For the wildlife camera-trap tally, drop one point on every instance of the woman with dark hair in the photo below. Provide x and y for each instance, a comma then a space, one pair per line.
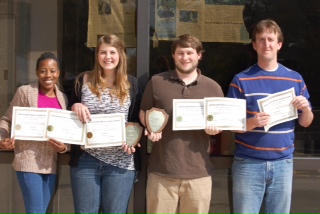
36, 162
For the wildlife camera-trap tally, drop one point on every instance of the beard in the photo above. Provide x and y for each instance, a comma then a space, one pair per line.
187, 71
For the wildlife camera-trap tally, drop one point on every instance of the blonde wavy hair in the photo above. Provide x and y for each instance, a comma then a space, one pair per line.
96, 82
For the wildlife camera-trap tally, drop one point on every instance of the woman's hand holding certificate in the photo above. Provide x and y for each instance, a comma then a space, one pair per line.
41, 124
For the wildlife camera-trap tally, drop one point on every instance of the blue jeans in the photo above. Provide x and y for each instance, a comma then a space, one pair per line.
257, 182
97, 185
37, 190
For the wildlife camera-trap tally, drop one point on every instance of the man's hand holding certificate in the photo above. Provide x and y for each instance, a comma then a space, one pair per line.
188, 114
223, 113
279, 106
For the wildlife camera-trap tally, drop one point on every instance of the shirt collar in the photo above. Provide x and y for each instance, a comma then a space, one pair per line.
174, 76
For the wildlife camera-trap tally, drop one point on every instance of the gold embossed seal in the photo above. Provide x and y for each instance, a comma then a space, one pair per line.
17, 127
89, 135
50, 128
210, 117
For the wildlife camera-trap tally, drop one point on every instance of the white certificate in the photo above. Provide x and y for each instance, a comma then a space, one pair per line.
29, 123
40, 124
187, 114
65, 126
225, 113
279, 106
106, 130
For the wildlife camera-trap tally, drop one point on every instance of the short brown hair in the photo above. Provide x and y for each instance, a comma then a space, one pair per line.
267, 24
186, 41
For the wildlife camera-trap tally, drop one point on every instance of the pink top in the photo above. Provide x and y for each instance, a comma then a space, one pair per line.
48, 102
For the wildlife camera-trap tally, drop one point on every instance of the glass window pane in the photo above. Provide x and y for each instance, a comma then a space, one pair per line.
226, 54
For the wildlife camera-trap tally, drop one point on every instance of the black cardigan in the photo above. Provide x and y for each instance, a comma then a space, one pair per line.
133, 116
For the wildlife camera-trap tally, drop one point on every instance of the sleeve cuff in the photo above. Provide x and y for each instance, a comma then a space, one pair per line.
64, 151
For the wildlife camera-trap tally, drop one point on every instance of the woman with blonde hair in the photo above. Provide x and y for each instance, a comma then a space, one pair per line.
102, 178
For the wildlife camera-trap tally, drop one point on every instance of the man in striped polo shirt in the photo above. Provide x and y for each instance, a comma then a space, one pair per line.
263, 164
